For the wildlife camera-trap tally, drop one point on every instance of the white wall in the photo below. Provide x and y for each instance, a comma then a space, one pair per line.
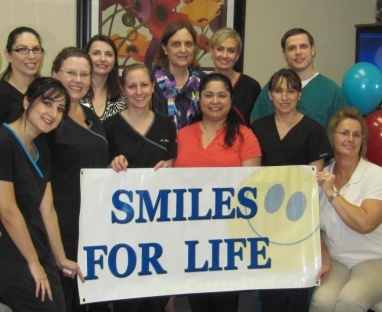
331, 22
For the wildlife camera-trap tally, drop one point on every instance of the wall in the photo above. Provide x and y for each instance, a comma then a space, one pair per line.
331, 22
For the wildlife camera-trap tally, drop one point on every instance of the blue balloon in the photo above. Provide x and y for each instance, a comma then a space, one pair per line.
362, 85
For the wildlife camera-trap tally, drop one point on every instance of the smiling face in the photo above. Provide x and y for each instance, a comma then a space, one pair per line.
25, 64
180, 49
215, 101
103, 57
138, 89
348, 138
284, 97
225, 54
77, 85
299, 53
45, 113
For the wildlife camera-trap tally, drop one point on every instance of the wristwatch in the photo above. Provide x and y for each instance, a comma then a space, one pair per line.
334, 195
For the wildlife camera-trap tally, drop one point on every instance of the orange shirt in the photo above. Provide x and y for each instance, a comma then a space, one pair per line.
192, 154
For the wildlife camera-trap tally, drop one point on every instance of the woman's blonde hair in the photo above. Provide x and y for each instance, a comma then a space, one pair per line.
345, 113
224, 33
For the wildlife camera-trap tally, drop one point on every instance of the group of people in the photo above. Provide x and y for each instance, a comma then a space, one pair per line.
172, 114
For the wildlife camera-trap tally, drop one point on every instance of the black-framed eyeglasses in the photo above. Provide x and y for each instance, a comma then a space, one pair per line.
36, 50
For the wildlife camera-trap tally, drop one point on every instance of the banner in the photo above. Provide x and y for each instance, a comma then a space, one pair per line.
149, 233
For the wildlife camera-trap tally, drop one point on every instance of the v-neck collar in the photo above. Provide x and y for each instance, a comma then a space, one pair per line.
32, 161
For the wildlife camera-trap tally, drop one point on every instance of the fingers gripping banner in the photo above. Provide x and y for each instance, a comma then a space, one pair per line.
149, 233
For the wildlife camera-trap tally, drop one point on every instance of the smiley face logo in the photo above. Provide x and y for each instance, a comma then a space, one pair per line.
287, 213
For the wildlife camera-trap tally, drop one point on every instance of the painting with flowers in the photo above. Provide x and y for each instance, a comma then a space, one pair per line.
136, 26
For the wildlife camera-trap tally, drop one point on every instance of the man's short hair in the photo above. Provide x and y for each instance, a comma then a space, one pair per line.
294, 32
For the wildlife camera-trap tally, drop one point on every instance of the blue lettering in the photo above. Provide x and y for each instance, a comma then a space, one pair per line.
146, 259
215, 266
255, 252
122, 206
247, 202
145, 202
179, 215
231, 253
131, 260
92, 261
192, 258
195, 206
219, 203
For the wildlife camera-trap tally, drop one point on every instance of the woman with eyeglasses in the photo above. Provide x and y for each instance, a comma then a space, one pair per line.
82, 144
24, 54
104, 96
350, 221
30, 242
288, 137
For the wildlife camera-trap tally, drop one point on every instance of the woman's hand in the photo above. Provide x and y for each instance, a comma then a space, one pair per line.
326, 260
71, 269
119, 163
163, 164
325, 269
326, 180
41, 280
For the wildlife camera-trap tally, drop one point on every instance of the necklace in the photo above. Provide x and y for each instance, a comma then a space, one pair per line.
180, 88
207, 134
100, 105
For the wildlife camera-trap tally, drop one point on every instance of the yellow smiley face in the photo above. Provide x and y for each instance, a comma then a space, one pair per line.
287, 214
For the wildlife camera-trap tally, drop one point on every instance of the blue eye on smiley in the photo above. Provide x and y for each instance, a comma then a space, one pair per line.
296, 206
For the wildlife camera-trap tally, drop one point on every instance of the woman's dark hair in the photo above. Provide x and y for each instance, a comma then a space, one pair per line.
65, 53
292, 79
113, 82
12, 37
43, 88
161, 59
233, 119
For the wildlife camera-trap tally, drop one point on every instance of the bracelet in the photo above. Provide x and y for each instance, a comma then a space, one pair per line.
333, 196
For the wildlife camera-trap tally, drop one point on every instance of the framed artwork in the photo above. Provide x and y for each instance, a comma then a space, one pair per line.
136, 26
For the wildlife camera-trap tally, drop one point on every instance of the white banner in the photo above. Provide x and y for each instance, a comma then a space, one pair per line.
148, 233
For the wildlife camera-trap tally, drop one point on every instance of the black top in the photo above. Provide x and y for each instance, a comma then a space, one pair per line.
78, 147
11, 102
304, 143
245, 92
29, 177
141, 151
